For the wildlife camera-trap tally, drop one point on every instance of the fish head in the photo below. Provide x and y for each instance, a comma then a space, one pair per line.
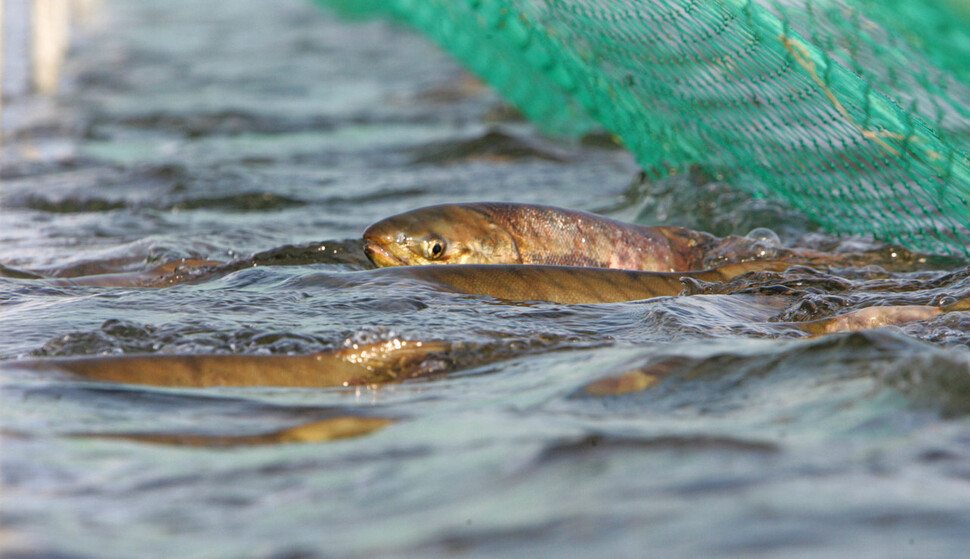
443, 234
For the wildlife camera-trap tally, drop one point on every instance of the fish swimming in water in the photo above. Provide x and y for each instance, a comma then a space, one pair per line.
578, 285
171, 273
335, 428
194, 270
504, 233
876, 317
508, 233
563, 284
399, 359
359, 364
367, 364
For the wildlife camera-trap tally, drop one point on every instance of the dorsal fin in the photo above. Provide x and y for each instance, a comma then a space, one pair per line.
963, 305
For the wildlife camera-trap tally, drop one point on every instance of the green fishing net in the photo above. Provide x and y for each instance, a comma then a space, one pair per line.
854, 112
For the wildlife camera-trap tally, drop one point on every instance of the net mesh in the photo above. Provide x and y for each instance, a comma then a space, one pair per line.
855, 113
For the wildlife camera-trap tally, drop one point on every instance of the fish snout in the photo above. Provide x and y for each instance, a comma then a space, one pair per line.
380, 256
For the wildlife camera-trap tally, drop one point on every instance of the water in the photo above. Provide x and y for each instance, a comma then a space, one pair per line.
246, 127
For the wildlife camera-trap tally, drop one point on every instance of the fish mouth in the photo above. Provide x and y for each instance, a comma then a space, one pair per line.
380, 256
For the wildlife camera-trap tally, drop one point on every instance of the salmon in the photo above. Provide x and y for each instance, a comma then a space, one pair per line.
502, 233
506, 233
564, 284
359, 364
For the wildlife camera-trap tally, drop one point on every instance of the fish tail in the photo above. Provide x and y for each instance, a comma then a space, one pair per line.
6, 272
963, 305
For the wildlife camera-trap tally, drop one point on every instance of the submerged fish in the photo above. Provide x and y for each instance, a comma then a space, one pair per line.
171, 273
378, 363
500, 233
400, 359
578, 285
186, 270
564, 284
360, 364
341, 427
876, 317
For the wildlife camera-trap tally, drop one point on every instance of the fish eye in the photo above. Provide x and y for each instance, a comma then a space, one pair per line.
434, 248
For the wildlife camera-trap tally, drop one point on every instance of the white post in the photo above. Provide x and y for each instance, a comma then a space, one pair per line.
2, 35
49, 42
34, 39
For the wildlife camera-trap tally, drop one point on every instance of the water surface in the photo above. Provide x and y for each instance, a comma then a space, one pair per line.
272, 129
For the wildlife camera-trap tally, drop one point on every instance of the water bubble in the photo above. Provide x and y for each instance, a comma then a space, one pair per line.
764, 250
764, 236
